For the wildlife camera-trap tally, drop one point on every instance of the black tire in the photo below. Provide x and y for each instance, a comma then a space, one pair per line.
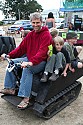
7, 44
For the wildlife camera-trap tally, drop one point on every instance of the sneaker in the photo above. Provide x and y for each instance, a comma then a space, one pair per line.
44, 78
53, 77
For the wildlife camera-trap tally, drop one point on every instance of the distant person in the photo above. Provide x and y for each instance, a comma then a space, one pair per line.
50, 21
71, 27
24, 33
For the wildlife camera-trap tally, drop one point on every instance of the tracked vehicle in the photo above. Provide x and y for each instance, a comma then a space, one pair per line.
49, 98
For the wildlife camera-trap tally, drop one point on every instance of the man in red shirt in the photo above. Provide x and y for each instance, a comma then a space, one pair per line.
35, 46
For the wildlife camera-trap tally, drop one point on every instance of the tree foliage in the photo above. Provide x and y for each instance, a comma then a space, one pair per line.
21, 8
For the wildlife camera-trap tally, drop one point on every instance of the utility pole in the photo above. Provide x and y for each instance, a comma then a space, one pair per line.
19, 13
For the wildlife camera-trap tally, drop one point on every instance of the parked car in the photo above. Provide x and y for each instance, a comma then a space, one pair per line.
2, 32
20, 25
59, 23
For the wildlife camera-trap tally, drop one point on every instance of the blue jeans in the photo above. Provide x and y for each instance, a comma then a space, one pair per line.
26, 78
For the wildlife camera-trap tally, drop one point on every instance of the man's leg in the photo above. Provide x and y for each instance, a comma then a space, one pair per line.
26, 83
10, 79
27, 77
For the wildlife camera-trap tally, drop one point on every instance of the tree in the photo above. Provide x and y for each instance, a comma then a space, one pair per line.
21, 9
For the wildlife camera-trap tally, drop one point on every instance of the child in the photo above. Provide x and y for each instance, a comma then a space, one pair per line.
59, 60
54, 32
72, 50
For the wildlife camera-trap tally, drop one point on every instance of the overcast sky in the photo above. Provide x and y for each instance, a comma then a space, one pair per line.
49, 4
46, 5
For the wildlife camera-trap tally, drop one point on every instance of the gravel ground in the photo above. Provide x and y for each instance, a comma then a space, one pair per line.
71, 115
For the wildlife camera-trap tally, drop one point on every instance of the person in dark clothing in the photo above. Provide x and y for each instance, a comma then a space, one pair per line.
24, 33
59, 60
71, 27
35, 46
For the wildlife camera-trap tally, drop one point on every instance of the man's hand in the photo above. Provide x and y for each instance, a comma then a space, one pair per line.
3, 56
26, 64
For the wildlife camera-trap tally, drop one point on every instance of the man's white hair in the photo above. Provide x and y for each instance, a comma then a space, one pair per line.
36, 15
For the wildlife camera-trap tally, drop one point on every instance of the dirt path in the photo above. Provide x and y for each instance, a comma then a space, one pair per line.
10, 115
